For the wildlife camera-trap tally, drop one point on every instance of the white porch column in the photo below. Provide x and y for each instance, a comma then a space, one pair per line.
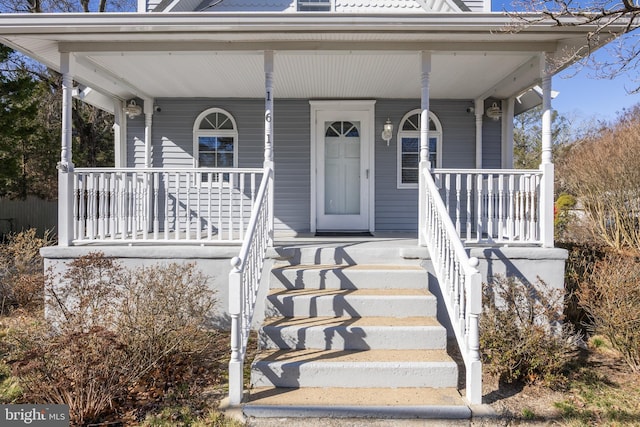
268, 132
65, 166
547, 168
425, 165
508, 108
148, 122
119, 134
479, 110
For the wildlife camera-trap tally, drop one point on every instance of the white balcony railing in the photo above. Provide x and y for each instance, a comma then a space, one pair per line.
244, 282
492, 205
459, 280
182, 205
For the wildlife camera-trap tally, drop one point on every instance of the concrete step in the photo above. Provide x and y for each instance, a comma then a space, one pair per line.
350, 253
370, 403
354, 303
345, 276
349, 369
352, 333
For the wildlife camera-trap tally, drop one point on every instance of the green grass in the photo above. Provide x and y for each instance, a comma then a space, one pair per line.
183, 416
10, 390
528, 414
597, 401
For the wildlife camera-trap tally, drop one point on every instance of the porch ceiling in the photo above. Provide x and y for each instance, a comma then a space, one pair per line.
316, 55
309, 74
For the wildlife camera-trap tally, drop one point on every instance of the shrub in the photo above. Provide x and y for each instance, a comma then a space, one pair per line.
610, 295
603, 172
85, 370
522, 337
21, 270
119, 336
562, 213
580, 265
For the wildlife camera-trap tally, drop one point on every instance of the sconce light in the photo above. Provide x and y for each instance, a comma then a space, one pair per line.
132, 109
494, 112
387, 131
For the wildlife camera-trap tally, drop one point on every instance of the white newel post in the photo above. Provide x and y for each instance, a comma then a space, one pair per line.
474, 365
65, 166
236, 364
546, 167
268, 132
425, 166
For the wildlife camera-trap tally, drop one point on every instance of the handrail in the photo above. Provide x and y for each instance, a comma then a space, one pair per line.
459, 281
244, 282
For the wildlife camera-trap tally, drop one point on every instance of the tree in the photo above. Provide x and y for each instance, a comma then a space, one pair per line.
25, 167
66, 6
527, 137
31, 98
608, 19
603, 171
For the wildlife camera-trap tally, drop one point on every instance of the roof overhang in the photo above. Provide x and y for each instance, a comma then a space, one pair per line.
317, 55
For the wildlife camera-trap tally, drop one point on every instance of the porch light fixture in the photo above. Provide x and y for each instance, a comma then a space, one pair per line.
132, 109
494, 112
387, 131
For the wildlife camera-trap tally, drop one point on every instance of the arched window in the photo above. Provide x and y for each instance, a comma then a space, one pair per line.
215, 140
408, 147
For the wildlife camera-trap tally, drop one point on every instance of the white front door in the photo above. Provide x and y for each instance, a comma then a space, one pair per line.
343, 141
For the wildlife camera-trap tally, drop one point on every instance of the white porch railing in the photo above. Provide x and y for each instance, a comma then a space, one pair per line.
492, 205
150, 205
244, 282
459, 281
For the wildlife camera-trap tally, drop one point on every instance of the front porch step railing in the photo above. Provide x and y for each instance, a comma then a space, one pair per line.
245, 279
156, 204
459, 281
492, 205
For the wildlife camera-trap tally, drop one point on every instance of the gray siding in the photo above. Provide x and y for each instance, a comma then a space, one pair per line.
396, 209
491, 145
172, 138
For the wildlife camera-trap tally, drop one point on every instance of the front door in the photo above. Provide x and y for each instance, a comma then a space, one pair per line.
344, 169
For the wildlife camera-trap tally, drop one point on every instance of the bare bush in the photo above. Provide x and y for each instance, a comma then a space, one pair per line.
610, 295
85, 370
118, 334
603, 172
21, 270
522, 337
87, 295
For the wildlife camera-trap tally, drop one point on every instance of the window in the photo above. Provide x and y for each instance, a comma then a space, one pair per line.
408, 147
215, 140
314, 5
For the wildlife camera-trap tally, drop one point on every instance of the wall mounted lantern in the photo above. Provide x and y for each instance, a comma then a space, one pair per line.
387, 131
494, 112
132, 109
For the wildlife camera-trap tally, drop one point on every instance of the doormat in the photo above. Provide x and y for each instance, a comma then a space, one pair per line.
343, 234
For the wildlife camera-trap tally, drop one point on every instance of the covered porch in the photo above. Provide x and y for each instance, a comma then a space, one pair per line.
362, 71
154, 195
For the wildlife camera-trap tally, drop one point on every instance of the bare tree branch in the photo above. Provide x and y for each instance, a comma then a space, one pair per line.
606, 19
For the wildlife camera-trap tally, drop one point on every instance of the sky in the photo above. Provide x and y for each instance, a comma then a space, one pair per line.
585, 97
